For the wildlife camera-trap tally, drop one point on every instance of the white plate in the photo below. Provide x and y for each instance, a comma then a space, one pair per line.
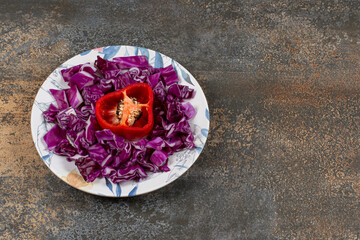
178, 163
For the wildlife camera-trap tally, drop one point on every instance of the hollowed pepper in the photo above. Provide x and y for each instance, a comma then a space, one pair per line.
127, 112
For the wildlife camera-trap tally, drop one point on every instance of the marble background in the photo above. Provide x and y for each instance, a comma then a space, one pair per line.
282, 159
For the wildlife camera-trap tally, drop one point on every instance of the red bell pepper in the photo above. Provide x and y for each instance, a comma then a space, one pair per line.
127, 112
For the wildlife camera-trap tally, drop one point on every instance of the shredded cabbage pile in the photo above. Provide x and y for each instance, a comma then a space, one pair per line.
99, 153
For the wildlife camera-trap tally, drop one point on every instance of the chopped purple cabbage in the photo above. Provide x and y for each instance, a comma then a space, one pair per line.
91, 94
50, 114
54, 137
181, 91
130, 62
60, 98
69, 72
100, 153
159, 158
169, 75
74, 96
82, 79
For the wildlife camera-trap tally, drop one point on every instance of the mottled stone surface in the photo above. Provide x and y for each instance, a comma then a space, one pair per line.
282, 80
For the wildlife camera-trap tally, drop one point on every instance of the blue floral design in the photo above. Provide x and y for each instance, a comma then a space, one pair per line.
144, 52
111, 51
85, 53
199, 149
181, 166
184, 75
136, 51
207, 115
133, 191
205, 132
181, 160
118, 190
46, 157
109, 184
158, 61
